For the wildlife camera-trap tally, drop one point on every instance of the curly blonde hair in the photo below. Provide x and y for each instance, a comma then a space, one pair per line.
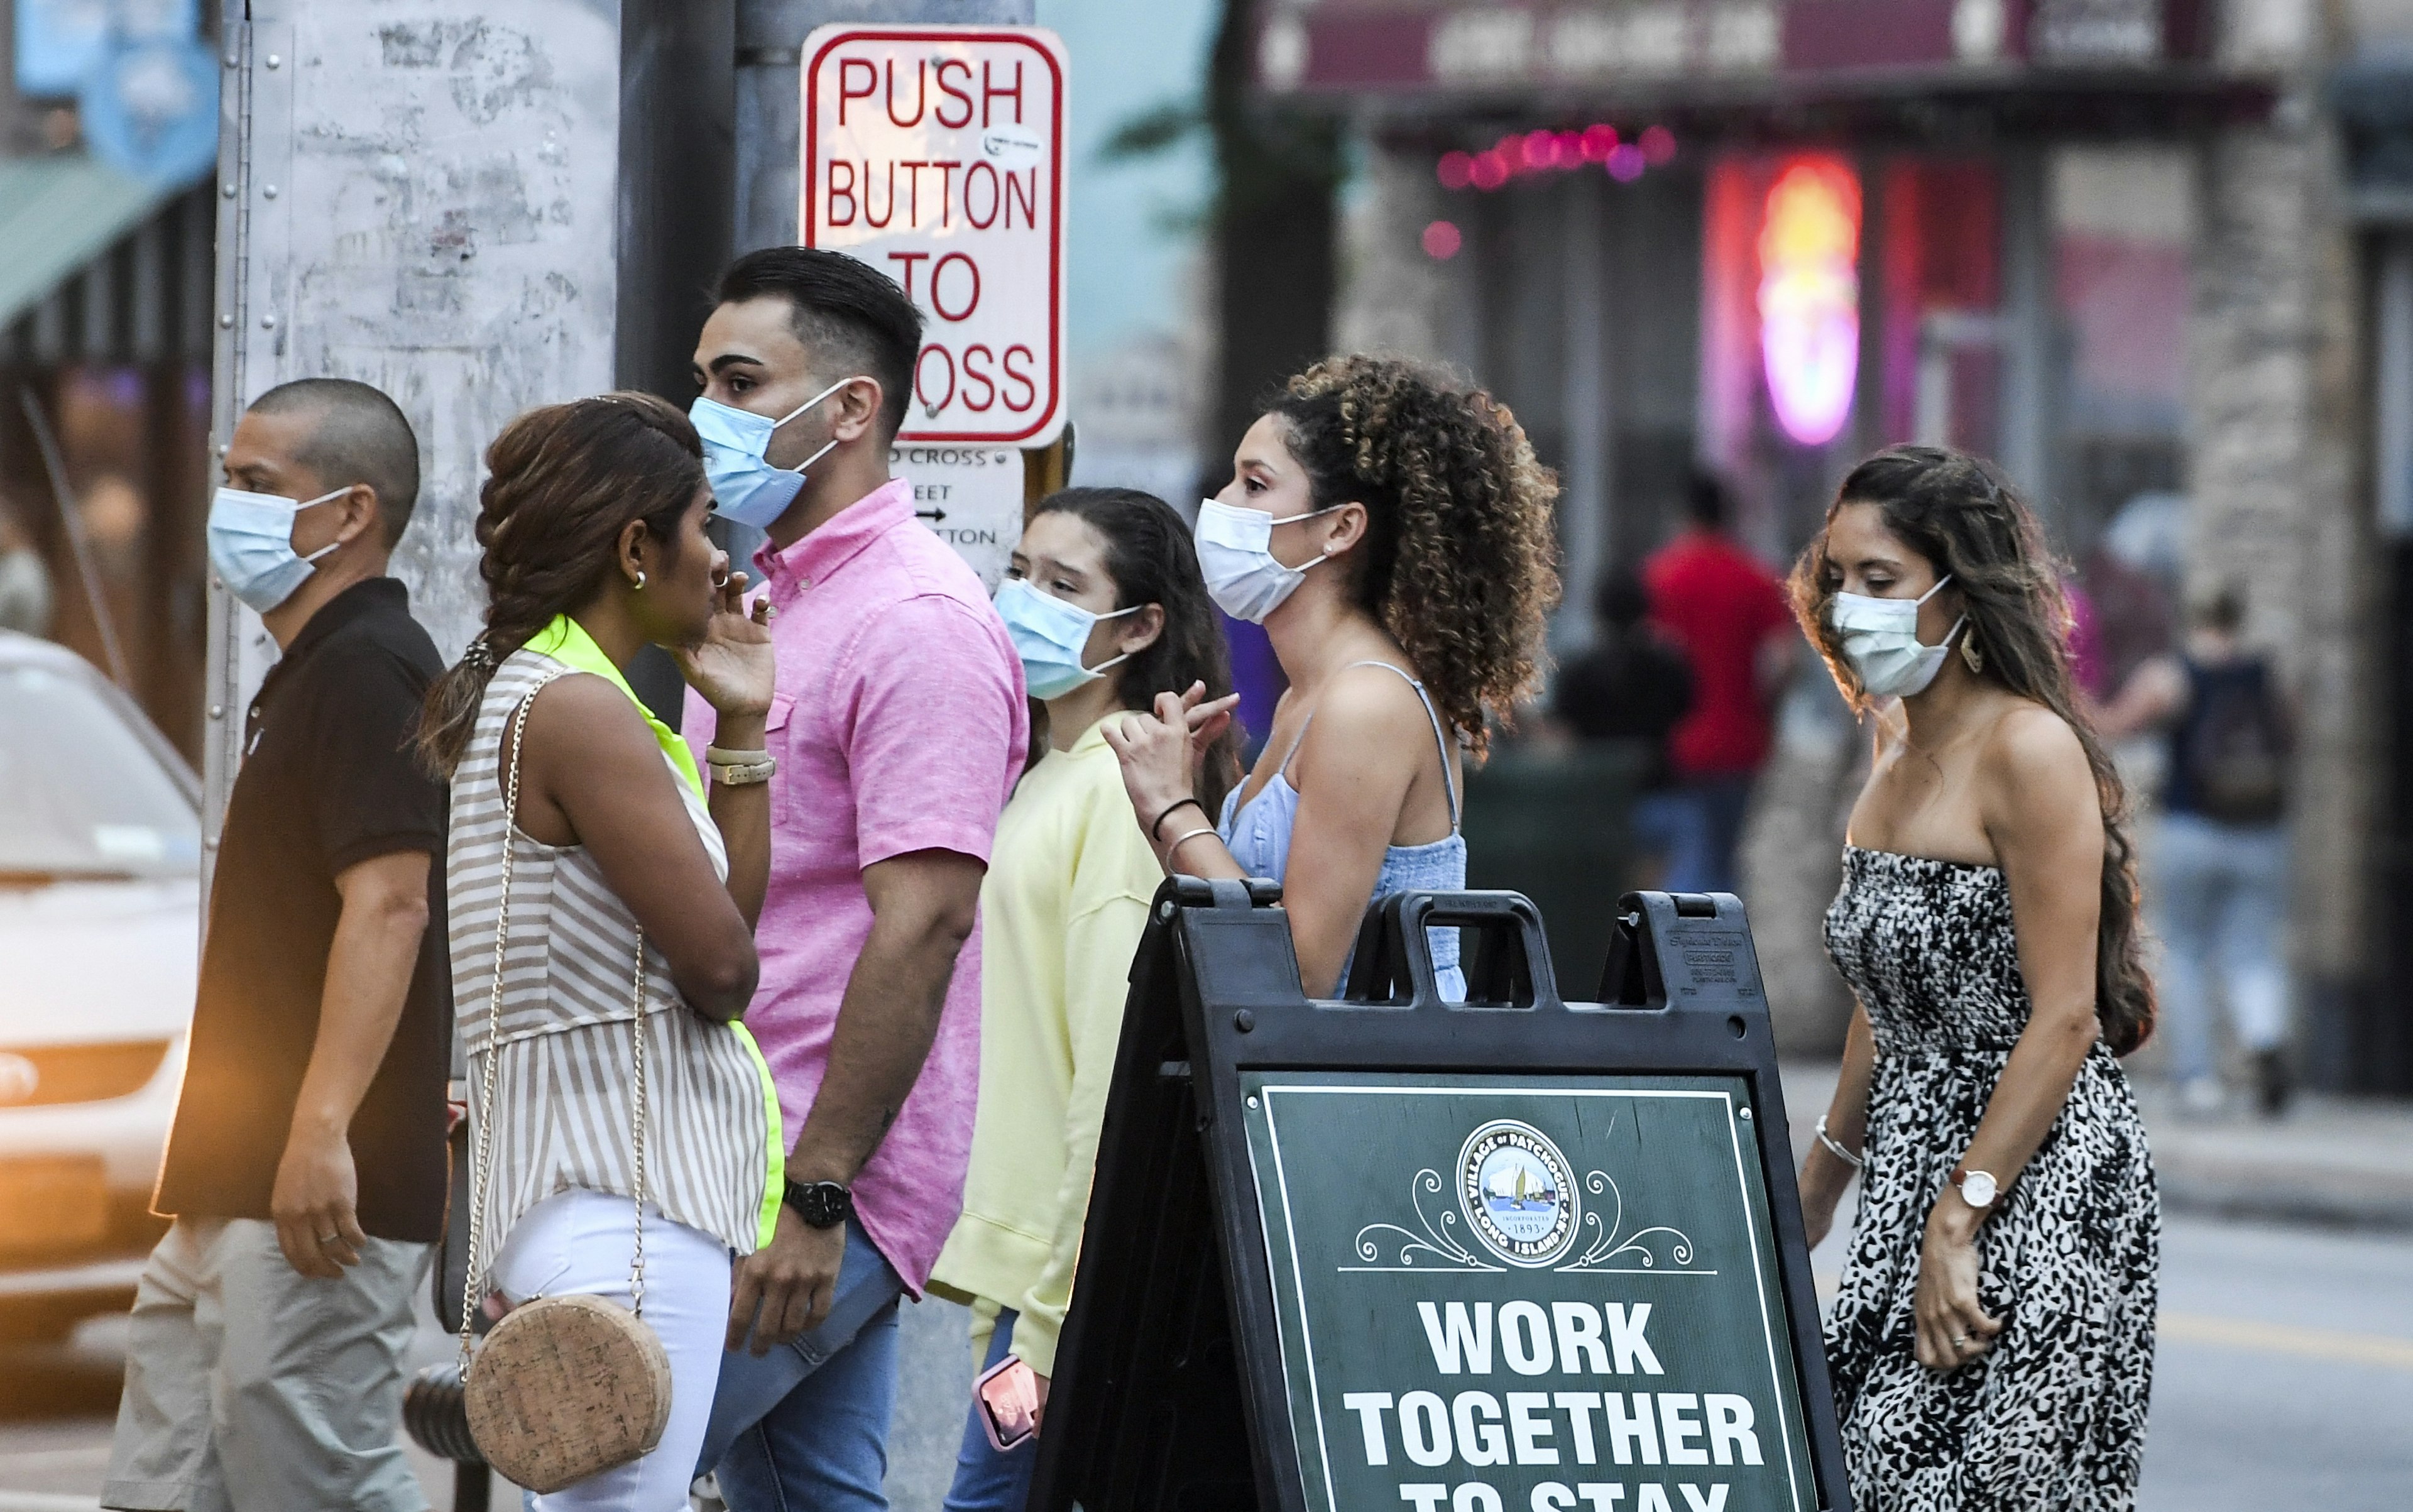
1461, 557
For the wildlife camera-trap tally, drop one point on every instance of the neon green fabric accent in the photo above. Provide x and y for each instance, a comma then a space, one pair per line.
775, 1164
566, 641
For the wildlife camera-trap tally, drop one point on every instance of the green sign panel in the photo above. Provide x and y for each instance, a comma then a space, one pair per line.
1545, 1294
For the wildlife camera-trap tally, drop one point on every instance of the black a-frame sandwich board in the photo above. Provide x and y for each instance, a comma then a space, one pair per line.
1490, 1255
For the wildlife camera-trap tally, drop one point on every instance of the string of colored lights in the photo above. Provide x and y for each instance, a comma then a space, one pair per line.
1522, 155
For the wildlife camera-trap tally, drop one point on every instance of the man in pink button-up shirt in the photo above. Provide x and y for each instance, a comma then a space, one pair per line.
899, 727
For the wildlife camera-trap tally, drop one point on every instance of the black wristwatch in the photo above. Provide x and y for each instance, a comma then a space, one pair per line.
822, 1204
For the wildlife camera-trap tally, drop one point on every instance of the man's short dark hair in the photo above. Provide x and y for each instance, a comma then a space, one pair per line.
361, 437
1705, 501
848, 314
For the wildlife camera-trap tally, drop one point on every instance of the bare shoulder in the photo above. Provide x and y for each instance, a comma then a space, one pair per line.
581, 710
2032, 764
1367, 722
1367, 702
2029, 740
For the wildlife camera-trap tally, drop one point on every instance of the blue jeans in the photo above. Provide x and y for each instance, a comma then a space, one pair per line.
1707, 833
1668, 836
985, 1479
807, 1425
2219, 902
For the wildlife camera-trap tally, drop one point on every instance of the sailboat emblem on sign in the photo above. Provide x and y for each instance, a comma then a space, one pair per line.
1519, 1193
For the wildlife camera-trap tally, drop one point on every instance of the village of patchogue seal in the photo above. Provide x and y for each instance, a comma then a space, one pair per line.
1519, 1193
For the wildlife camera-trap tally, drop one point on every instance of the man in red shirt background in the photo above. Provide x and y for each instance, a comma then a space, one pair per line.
1727, 612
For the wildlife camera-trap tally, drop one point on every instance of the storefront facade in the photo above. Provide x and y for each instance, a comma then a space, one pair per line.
2104, 242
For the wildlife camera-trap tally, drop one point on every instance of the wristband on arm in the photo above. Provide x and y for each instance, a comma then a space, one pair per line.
1156, 825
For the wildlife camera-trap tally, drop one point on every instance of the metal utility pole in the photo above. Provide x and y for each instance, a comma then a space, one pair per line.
476, 208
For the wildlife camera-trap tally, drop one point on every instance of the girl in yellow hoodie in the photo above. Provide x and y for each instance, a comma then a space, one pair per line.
1106, 606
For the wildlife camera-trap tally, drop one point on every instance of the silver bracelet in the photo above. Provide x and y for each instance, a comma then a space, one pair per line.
1835, 1148
1180, 841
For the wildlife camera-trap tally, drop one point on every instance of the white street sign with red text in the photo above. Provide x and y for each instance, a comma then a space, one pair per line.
936, 154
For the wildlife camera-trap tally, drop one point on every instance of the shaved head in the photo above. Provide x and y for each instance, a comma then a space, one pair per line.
356, 436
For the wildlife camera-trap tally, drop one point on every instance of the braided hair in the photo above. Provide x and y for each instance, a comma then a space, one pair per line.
1958, 513
1459, 562
562, 483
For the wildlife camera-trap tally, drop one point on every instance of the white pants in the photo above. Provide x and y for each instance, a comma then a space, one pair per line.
579, 1244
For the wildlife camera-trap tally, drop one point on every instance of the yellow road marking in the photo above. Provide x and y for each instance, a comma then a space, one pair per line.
2284, 1339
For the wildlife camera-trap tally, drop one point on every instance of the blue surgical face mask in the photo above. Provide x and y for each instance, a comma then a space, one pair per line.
744, 486
1050, 636
251, 544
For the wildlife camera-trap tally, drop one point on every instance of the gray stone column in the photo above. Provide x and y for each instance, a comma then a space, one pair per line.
2273, 353
1395, 297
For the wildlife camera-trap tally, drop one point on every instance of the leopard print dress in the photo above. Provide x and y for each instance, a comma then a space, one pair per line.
2053, 1416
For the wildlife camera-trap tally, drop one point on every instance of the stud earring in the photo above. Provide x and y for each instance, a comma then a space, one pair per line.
640, 580
1971, 654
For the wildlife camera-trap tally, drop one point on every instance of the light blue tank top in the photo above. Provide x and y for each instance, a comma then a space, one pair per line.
1258, 836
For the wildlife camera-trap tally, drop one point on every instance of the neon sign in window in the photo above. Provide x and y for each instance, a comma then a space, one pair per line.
1809, 296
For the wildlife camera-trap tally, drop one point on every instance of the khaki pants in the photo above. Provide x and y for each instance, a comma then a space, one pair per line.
251, 1387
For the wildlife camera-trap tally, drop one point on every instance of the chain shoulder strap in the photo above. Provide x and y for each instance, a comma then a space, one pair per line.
482, 1173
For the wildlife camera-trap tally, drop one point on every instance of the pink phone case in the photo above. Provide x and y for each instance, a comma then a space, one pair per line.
1008, 1394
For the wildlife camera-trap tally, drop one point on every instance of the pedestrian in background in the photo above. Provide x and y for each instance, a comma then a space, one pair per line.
1991, 1338
592, 516
1728, 614
305, 1169
24, 578
1107, 609
1633, 685
900, 726
2220, 850
1422, 500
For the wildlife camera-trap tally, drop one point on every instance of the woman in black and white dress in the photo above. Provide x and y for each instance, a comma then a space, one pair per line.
1992, 1341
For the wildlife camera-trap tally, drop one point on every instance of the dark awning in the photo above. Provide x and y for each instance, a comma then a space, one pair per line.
2374, 96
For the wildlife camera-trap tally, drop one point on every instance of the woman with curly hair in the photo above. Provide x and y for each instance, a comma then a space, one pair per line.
1421, 502
1993, 1340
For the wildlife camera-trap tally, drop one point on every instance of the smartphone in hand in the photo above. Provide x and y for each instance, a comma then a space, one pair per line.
1008, 1394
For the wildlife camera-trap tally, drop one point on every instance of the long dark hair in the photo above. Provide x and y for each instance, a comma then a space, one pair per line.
562, 483
1960, 514
1151, 560
1461, 557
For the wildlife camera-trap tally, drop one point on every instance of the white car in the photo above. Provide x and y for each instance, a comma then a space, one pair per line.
99, 943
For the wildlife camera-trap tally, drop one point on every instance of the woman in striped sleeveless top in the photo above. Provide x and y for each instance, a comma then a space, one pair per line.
592, 520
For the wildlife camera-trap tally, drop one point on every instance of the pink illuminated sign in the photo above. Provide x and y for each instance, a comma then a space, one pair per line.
1809, 296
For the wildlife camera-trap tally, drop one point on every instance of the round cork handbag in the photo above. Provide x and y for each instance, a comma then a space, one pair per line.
564, 1388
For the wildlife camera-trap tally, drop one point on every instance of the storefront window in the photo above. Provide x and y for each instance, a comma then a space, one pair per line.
2122, 218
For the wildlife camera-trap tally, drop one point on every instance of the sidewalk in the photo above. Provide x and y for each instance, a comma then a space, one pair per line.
2333, 1161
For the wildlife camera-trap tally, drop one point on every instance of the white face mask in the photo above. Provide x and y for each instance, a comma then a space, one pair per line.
1881, 642
1243, 576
